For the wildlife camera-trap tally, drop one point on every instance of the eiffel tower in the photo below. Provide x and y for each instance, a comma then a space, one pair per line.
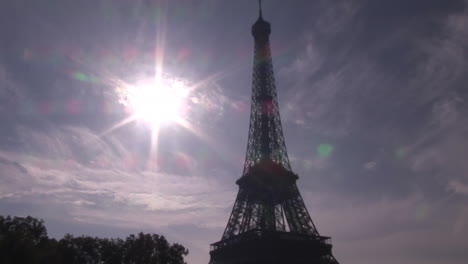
269, 222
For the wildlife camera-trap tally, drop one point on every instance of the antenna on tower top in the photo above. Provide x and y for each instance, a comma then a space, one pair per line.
260, 8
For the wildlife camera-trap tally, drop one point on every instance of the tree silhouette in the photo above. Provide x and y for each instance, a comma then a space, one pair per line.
25, 240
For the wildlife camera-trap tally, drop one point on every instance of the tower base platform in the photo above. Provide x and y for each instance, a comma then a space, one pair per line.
260, 247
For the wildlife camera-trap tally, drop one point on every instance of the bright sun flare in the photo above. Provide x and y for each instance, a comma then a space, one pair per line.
158, 102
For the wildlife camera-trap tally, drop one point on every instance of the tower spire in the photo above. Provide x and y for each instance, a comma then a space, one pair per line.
260, 9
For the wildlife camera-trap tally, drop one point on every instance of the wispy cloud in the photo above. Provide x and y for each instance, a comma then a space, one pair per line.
87, 190
458, 187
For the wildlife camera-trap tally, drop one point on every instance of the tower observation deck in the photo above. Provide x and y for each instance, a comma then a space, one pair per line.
269, 222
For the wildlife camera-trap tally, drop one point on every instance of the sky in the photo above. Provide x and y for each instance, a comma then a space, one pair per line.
372, 95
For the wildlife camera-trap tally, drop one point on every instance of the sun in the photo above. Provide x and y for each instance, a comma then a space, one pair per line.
158, 102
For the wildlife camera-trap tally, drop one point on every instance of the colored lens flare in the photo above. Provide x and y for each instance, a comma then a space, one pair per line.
325, 150
400, 153
84, 78
80, 76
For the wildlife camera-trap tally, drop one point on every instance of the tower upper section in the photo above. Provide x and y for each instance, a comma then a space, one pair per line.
266, 146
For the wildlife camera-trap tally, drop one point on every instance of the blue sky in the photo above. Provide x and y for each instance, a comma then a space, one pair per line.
383, 83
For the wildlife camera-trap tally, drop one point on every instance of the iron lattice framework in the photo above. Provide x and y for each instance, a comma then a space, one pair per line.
269, 211
265, 132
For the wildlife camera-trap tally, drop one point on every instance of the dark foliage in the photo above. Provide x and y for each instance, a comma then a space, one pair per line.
25, 240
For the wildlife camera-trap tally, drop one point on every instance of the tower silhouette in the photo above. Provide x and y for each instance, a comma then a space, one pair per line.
269, 222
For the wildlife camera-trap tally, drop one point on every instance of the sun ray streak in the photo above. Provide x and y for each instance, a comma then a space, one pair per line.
153, 159
197, 132
160, 41
118, 125
223, 153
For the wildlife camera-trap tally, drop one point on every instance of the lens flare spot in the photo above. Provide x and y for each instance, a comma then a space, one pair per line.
324, 150
80, 76
422, 212
27, 54
73, 107
400, 153
46, 108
